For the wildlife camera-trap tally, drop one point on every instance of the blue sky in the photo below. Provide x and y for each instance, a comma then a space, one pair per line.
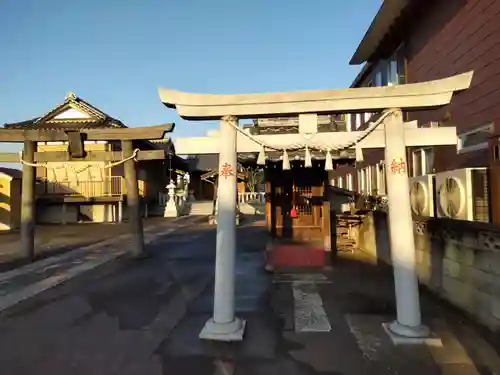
116, 53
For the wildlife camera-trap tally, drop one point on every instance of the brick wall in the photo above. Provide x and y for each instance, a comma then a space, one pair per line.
455, 37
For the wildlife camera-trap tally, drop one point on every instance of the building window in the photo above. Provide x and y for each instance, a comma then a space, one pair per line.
475, 140
349, 181
340, 183
369, 181
380, 178
361, 182
392, 72
358, 120
348, 122
423, 161
365, 180
378, 78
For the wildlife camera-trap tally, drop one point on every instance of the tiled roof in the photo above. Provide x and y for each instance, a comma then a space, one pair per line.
14, 173
96, 118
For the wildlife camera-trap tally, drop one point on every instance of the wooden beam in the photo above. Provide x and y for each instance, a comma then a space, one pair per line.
130, 134
111, 134
28, 204
9, 157
64, 156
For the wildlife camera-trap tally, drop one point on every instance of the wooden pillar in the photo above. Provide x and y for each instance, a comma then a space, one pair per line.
215, 196
28, 203
494, 178
120, 210
268, 205
327, 230
133, 202
64, 213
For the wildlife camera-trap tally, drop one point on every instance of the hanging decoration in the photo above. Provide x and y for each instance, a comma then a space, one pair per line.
261, 160
315, 142
328, 161
310, 142
293, 212
308, 161
286, 161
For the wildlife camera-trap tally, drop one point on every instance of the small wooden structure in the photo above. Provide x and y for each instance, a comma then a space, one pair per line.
296, 208
76, 122
10, 198
91, 188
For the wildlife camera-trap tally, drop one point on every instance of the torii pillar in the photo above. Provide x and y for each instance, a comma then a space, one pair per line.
224, 325
402, 242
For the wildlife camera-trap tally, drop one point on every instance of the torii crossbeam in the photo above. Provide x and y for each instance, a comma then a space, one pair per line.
394, 137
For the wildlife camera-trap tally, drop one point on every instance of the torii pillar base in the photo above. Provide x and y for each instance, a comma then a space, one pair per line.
232, 331
404, 335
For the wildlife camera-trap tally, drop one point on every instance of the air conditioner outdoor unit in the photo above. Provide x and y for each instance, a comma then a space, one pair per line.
463, 194
421, 195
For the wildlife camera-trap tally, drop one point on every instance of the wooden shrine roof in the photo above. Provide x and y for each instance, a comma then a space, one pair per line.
11, 172
73, 114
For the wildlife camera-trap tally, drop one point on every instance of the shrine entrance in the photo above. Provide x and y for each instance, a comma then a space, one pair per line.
296, 204
292, 198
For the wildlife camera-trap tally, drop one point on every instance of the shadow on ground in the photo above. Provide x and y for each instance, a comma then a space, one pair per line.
144, 318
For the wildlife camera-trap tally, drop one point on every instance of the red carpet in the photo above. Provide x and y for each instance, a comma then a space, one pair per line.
296, 255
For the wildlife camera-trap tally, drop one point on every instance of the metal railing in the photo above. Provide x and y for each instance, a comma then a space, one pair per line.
108, 187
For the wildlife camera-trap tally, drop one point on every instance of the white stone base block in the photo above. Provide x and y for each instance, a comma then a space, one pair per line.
403, 335
171, 210
223, 331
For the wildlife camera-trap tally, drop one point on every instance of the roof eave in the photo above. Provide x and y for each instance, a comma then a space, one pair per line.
386, 15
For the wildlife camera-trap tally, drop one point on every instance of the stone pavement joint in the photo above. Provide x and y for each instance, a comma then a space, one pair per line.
310, 316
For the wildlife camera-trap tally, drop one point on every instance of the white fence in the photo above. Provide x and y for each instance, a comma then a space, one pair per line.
248, 197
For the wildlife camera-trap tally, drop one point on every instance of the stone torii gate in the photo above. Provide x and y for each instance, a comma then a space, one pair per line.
390, 133
76, 152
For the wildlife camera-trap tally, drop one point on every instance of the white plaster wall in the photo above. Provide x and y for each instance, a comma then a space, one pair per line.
100, 213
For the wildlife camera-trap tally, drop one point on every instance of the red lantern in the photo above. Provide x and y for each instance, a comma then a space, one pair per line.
293, 212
